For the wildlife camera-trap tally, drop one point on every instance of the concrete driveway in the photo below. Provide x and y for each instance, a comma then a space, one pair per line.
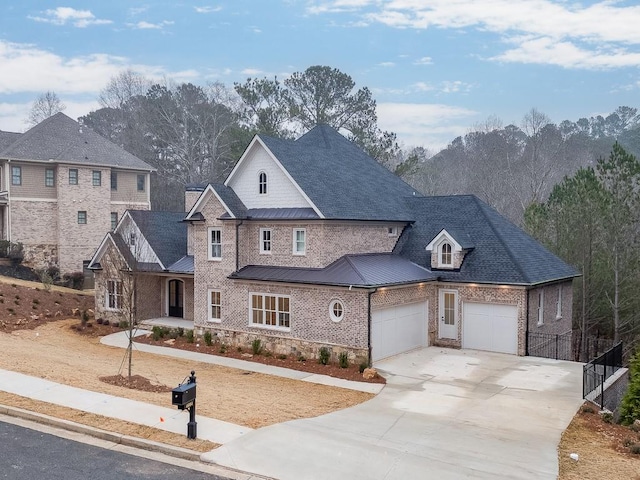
444, 414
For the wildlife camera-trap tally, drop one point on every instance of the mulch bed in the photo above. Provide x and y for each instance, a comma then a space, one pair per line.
135, 382
621, 437
310, 365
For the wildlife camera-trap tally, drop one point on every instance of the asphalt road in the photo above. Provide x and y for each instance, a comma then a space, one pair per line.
27, 454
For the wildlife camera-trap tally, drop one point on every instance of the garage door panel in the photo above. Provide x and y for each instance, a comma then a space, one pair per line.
490, 327
398, 329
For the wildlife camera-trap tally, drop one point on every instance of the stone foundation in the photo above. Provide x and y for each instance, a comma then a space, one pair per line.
284, 345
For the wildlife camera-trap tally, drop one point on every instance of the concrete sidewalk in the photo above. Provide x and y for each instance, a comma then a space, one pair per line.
164, 418
121, 340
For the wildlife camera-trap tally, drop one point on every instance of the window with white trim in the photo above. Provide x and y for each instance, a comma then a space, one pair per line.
96, 178
82, 217
336, 310
215, 307
445, 254
262, 183
113, 295
73, 176
540, 308
270, 311
16, 175
215, 244
299, 241
559, 303
114, 220
265, 240
392, 231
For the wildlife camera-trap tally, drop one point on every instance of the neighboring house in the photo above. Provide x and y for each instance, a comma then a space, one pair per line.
62, 187
311, 243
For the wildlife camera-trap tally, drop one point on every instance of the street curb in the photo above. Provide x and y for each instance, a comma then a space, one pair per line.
117, 438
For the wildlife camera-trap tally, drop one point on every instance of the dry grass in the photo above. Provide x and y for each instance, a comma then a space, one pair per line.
55, 352
602, 455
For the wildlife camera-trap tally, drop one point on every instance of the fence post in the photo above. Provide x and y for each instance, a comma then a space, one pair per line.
557, 346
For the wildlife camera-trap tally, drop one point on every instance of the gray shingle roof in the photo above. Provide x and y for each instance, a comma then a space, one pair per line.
340, 179
165, 232
7, 138
502, 253
367, 270
61, 139
231, 200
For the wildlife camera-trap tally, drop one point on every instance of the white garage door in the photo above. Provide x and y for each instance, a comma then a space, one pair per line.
493, 328
398, 329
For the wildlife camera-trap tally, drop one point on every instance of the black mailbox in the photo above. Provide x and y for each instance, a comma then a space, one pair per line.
183, 395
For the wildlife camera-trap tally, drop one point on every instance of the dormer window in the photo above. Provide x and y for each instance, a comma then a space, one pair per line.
262, 183
445, 254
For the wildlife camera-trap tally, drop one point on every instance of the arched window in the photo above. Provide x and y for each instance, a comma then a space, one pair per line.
445, 254
262, 183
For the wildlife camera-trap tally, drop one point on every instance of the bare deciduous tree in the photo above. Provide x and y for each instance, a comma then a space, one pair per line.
45, 106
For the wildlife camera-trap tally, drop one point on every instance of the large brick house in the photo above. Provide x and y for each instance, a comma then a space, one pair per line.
62, 187
311, 243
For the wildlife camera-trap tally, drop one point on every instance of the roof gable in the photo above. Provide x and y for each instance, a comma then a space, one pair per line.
226, 196
165, 232
282, 190
63, 140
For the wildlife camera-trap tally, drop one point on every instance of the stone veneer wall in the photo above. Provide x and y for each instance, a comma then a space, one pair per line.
35, 225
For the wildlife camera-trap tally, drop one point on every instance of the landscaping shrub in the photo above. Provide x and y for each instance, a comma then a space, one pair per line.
73, 280
282, 356
223, 348
180, 332
16, 253
190, 337
45, 279
99, 321
343, 360
106, 322
256, 346
85, 317
156, 332
363, 365
173, 333
207, 338
324, 355
123, 324
635, 449
4, 248
630, 405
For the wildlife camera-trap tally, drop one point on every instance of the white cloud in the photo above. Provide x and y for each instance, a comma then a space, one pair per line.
207, 9
143, 25
386, 64
62, 15
251, 71
566, 54
604, 30
455, 86
13, 115
423, 87
428, 125
424, 61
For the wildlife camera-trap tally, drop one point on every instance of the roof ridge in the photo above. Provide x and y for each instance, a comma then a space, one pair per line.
506, 246
347, 258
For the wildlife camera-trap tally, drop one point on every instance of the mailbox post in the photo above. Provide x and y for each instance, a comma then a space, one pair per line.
184, 396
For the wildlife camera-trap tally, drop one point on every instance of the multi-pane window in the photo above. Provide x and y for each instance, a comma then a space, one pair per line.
96, 178
270, 310
262, 183
73, 176
215, 244
299, 241
141, 182
114, 181
114, 295
82, 217
449, 309
214, 306
445, 254
49, 177
132, 239
16, 175
114, 220
336, 310
265, 240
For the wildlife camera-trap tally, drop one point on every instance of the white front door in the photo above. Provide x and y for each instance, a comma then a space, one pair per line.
448, 314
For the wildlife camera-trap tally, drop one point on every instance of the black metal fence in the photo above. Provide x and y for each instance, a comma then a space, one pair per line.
597, 371
550, 345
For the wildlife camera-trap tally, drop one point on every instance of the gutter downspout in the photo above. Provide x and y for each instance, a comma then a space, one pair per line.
371, 292
238, 244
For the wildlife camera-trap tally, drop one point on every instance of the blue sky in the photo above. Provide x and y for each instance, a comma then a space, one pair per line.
435, 67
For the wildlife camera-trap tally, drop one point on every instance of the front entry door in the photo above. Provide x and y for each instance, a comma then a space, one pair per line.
448, 323
176, 296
